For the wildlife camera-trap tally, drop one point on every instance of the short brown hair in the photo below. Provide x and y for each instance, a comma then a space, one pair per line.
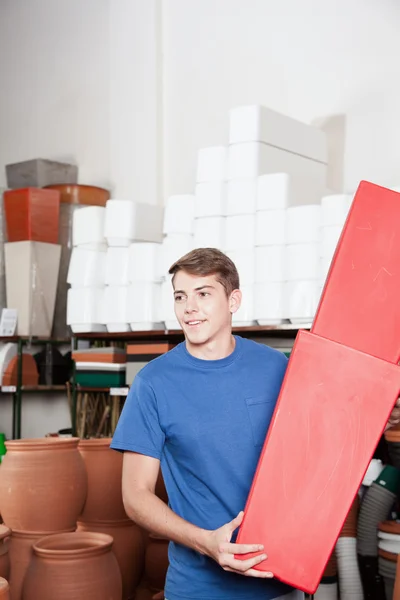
209, 261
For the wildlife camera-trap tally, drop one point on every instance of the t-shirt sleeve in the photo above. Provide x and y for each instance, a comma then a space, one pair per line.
138, 429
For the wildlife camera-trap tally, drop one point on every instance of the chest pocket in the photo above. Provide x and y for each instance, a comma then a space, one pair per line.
260, 411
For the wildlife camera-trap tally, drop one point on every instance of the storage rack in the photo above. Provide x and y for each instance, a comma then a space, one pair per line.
18, 390
287, 331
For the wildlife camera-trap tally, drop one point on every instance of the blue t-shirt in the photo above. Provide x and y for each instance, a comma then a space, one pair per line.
206, 421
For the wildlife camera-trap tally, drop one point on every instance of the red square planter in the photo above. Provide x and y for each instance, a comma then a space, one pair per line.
360, 304
32, 214
332, 409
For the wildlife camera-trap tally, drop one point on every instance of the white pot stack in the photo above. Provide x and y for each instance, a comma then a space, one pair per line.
86, 273
262, 199
103, 271
334, 211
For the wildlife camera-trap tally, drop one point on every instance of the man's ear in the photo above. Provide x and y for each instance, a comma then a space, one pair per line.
235, 301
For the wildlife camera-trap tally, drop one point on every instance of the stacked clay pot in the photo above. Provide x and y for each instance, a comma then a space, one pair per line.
43, 488
4, 589
104, 512
5, 534
388, 551
76, 565
156, 558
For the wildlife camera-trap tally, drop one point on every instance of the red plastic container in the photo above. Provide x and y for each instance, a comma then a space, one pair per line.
32, 214
360, 305
332, 409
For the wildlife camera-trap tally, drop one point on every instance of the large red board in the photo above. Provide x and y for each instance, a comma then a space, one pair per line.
332, 409
360, 304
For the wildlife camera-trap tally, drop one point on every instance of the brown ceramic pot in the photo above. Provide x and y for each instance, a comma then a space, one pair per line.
81, 194
156, 563
43, 484
349, 528
128, 548
21, 551
331, 567
392, 435
104, 469
387, 555
392, 527
78, 565
4, 589
5, 535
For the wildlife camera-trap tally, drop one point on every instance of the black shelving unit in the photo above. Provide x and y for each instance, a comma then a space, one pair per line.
18, 390
284, 331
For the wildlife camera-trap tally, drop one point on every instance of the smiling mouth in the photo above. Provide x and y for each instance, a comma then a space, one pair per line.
193, 323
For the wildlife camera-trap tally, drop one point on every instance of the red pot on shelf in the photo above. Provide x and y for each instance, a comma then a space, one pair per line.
43, 484
32, 214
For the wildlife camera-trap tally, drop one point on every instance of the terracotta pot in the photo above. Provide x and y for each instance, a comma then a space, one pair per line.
76, 565
43, 484
396, 593
104, 469
81, 194
331, 566
128, 548
392, 435
4, 589
349, 528
388, 555
392, 527
21, 552
156, 563
5, 535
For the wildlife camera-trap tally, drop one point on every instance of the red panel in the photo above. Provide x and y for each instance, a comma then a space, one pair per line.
360, 304
331, 412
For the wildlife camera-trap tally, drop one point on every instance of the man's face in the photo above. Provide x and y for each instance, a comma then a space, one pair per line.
202, 307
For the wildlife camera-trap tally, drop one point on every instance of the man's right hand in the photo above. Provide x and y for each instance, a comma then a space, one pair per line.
217, 545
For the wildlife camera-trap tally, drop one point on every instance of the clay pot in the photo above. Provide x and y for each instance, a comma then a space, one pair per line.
387, 555
156, 563
43, 484
104, 469
349, 528
5, 535
4, 589
128, 548
81, 194
21, 552
331, 567
78, 565
392, 527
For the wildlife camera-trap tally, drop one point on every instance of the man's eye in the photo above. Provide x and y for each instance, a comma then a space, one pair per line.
178, 298
203, 294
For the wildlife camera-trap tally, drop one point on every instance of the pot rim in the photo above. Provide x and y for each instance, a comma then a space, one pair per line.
59, 186
95, 443
112, 524
20, 533
96, 544
45, 443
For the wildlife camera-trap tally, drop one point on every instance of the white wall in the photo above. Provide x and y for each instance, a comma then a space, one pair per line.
307, 59
54, 84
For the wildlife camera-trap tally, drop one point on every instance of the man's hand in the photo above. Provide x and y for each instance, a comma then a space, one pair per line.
219, 547
394, 418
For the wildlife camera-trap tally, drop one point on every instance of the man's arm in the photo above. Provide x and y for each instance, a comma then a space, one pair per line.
139, 477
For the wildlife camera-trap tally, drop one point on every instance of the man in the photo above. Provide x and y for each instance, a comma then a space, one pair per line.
202, 411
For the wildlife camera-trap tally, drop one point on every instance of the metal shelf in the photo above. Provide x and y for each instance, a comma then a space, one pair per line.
284, 330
